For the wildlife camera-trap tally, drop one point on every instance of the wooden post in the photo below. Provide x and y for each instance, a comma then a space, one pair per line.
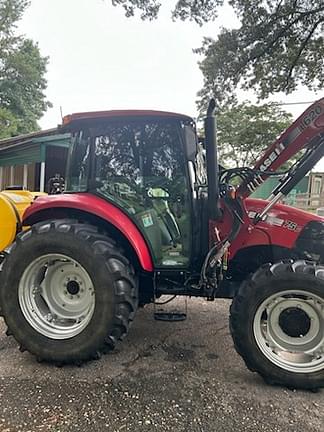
12, 175
42, 177
25, 180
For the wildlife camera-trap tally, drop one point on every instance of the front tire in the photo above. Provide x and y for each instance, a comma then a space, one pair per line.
277, 324
68, 293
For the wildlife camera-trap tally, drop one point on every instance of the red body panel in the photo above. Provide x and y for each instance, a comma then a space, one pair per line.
281, 227
99, 207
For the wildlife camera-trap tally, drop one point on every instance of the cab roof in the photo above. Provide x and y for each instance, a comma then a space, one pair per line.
71, 118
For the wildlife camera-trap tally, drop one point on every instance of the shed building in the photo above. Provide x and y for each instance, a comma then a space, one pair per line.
31, 160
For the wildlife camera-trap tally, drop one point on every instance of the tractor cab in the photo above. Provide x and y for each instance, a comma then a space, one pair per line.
145, 164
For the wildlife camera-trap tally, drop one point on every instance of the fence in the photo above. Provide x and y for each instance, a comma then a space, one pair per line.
306, 201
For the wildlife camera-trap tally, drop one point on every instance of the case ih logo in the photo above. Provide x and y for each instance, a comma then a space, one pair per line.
272, 157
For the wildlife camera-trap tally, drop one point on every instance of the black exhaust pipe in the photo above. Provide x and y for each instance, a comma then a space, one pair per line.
212, 161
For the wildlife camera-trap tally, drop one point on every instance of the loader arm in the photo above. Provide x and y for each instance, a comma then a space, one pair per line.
304, 132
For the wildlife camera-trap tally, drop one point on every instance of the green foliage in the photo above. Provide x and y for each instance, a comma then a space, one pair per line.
22, 75
245, 131
194, 10
8, 124
149, 8
278, 45
11, 11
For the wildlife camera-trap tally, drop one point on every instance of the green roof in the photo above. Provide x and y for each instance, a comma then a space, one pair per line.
30, 148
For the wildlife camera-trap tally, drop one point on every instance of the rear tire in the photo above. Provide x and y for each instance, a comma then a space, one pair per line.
68, 293
277, 324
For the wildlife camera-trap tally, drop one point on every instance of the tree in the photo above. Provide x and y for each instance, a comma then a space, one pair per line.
8, 124
278, 45
194, 10
245, 131
22, 74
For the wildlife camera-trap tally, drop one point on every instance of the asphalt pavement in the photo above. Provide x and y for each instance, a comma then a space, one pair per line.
178, 377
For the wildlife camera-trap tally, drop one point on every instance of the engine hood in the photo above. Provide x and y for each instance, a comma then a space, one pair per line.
280, 213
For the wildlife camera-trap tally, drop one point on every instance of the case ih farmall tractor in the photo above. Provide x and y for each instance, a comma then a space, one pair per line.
145, 216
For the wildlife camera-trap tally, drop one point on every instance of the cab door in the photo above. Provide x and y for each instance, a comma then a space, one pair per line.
140, 166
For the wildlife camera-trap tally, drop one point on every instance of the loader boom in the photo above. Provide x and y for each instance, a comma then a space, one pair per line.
301, 134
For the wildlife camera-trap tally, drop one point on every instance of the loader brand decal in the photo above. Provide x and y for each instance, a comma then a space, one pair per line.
275, 221
310, 117
269, 219
272, 220
272, 157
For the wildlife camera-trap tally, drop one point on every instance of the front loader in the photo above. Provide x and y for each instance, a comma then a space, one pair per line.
148, 212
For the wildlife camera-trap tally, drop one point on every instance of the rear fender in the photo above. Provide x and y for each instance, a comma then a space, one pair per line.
90, 207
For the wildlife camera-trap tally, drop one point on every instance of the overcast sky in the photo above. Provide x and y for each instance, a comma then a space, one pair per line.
99, 59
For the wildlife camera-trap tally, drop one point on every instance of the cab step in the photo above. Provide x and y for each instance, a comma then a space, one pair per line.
171, 313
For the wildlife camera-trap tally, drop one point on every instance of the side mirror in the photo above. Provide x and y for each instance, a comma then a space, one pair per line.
191, 143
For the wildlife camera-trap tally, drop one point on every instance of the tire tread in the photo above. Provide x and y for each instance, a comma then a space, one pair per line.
270, 274
121, 272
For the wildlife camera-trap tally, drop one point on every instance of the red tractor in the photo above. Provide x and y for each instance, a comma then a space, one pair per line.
149, 212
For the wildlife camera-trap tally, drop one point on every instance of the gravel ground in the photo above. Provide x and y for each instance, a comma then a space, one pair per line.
174, 377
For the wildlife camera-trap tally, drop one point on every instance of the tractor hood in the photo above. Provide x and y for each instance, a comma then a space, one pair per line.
280, 213
289, 227
284, 227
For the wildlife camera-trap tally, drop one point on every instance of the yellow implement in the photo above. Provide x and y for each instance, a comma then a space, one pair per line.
12, 207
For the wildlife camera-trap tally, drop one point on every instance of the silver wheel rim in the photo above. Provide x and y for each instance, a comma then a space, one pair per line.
56, 296
276, 323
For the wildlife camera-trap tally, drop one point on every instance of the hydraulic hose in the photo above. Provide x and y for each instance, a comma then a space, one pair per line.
218, 250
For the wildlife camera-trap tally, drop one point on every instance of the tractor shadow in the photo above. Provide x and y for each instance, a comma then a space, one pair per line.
200, 346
